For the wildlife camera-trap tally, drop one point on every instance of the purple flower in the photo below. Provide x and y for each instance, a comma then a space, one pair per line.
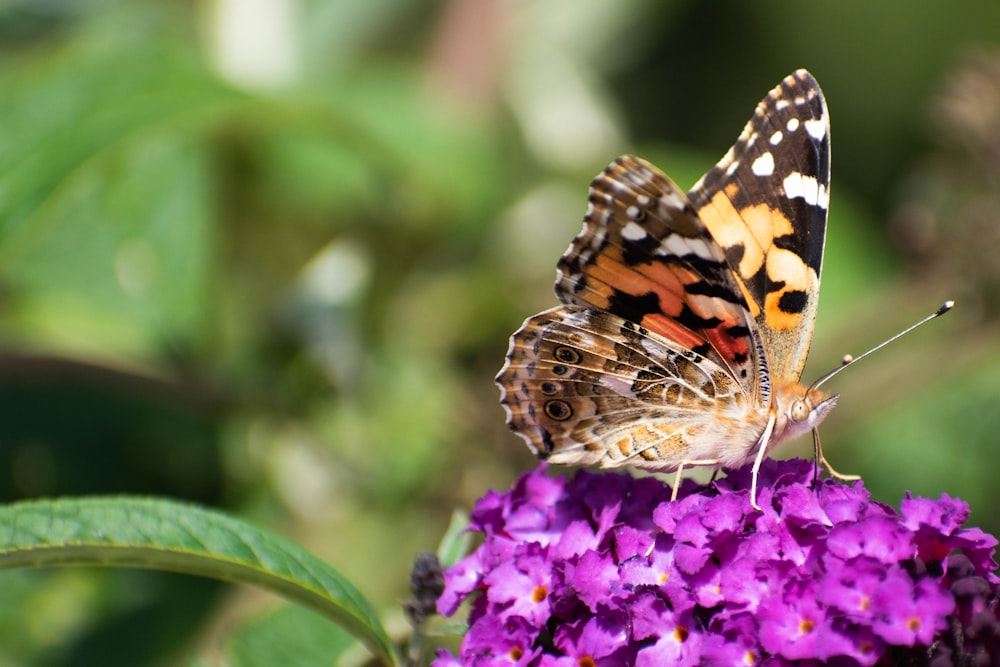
520, 586
795, 625
503, 642
908, 613
851, 587
604, 570
599, 639
732, 641
665, 634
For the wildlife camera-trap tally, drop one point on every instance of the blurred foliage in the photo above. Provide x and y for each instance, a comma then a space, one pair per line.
289, 636
271, 263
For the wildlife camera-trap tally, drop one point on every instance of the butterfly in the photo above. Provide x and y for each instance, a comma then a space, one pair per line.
686, 318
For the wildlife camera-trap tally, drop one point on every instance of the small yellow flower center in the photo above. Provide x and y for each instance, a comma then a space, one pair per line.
539, 594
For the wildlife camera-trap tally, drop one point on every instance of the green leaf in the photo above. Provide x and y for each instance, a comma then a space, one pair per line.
455, 545
166, 535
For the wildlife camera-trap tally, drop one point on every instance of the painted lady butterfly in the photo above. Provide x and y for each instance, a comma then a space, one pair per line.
686, 319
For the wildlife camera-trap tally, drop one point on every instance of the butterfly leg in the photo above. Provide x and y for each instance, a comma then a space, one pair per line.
818, 456
680, 468
765, 437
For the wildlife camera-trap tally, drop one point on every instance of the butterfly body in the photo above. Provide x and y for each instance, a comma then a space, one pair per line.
686, 318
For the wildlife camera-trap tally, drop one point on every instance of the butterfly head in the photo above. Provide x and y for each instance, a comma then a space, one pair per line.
811, 408
801, 412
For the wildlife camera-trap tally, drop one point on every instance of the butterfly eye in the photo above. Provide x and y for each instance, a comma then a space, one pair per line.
799, 411
567, 355
558, 410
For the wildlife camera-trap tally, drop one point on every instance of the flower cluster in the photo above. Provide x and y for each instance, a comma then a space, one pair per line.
603, 569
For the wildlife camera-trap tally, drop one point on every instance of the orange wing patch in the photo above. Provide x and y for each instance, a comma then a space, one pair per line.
645, 256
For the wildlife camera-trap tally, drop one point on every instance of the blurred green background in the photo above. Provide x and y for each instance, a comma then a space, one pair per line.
266, 254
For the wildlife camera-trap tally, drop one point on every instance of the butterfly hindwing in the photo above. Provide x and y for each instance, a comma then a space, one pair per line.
586, 387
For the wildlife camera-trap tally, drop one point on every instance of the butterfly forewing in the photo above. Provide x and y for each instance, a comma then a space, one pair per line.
765, 204
645, 256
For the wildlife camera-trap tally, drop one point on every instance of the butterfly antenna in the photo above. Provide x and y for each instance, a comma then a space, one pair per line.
849, 360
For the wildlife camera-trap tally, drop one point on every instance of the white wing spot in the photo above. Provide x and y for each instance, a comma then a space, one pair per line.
816, 128
793, 124
824, 198
799, 100
619, 385
700, 248
639, 175
633, 212
600, 235
653, 349
731, 169
643, 200
672, 245
764, 165
781, 104
776, 138
633, 232
672, 200
806, 187
678, 246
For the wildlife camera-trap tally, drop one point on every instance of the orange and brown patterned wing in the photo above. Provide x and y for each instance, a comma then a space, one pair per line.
765, 204
645, 256
654, 359
586, 387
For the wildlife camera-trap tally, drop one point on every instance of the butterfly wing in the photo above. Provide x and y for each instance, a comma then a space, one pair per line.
654, 359
765, 204
645, 256
587, 387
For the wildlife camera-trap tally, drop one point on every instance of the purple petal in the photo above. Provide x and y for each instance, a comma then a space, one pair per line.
945, 515
593, 637
593, 578
878, 537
